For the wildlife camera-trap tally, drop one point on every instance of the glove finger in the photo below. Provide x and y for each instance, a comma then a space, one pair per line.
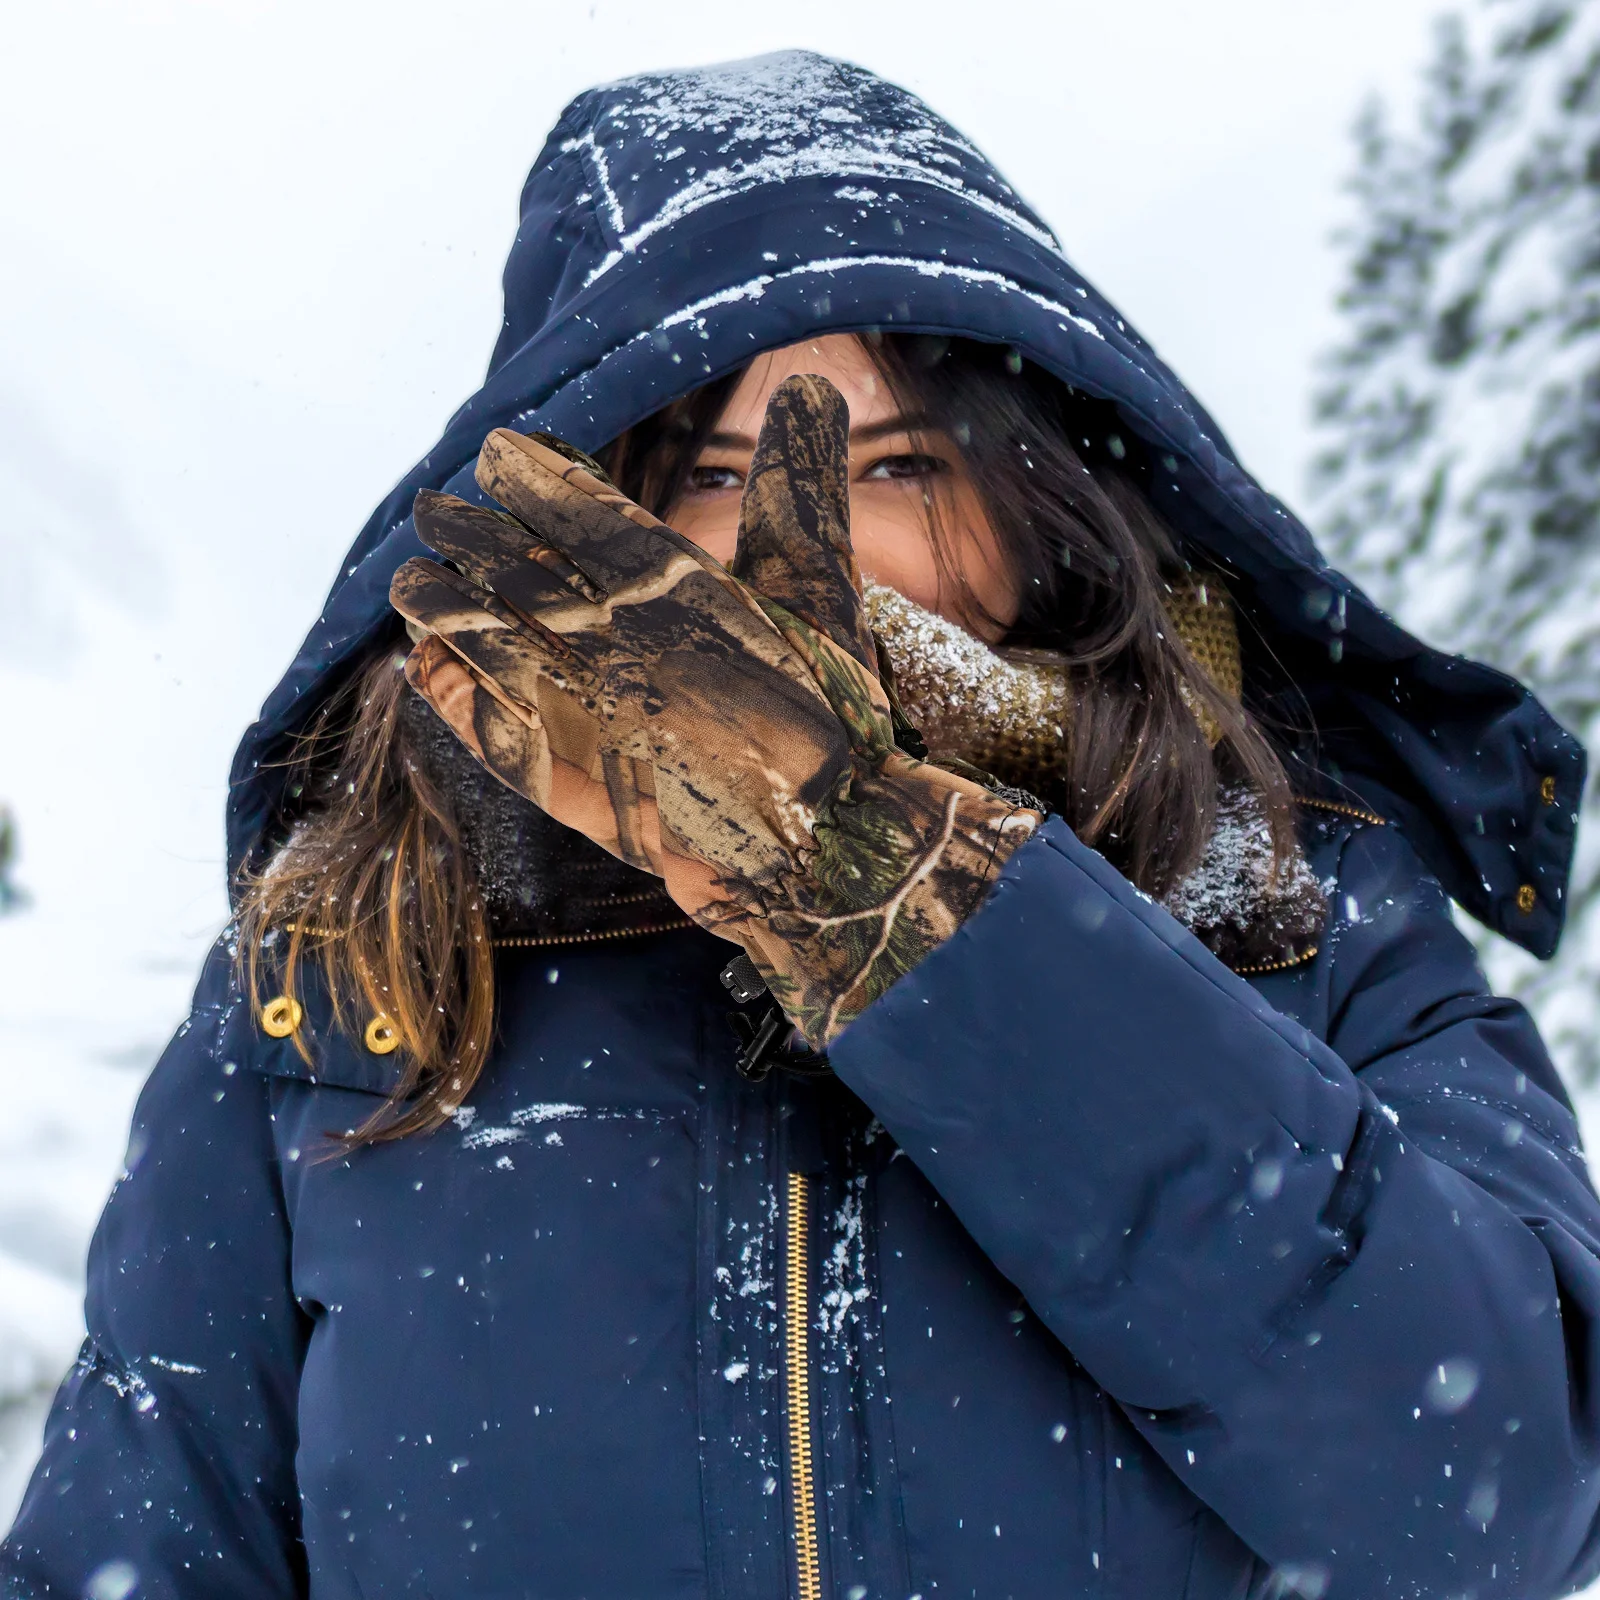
530, 667
516, 655
598, 792
794, 521
518, 580
440, 601
663, 593
611, 541
503, 735
538, 677
490, 545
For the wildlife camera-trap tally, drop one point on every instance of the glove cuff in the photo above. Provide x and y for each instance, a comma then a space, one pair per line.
904, 853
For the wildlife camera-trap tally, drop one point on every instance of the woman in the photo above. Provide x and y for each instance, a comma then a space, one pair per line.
1116, 1179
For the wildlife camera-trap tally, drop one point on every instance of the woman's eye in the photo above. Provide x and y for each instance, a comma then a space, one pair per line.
909, 466
708, 480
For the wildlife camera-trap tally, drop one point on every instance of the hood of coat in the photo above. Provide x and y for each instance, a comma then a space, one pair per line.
677, 223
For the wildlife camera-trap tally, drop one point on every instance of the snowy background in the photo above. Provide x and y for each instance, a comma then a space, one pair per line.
1458, 475
250, 255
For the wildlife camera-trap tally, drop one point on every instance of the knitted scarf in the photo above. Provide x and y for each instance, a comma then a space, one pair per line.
1007, 713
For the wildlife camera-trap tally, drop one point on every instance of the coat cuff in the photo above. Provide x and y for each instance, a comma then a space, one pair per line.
1115, 1117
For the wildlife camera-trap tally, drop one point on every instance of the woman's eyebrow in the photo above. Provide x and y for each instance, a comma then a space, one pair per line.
722, 440
917, 423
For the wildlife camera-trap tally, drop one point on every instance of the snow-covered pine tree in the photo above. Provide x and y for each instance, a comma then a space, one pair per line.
1459, 478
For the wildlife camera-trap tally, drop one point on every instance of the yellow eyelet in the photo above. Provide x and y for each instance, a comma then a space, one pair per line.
280, 1017
1527, 898
382, 1035
1547, 789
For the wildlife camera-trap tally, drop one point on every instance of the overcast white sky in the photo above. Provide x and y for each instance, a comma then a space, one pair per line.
250, 255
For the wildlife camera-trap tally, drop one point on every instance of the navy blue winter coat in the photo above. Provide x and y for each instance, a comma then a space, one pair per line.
1097, 1269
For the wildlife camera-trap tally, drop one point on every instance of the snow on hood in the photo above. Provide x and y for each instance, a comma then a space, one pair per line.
677, 223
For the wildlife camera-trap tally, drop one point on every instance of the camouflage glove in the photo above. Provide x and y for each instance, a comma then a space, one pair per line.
724, 730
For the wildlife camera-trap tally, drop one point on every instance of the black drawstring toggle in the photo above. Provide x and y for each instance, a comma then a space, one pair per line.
773, 1041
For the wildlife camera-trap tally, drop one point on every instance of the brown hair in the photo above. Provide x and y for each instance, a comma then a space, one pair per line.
373, 887
371, 884
1064, 486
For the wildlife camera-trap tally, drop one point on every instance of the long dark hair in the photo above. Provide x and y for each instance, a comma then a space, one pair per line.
1063, 484
374, 888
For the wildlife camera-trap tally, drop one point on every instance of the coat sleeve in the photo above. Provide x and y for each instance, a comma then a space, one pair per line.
168, 1464
1347, 1289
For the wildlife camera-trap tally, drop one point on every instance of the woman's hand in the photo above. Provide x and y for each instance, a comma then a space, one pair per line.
725, 730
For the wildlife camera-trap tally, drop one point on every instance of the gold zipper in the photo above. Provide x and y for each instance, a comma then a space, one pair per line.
1339, 809
797, 1381
1342, 810
531, 941
1278, 966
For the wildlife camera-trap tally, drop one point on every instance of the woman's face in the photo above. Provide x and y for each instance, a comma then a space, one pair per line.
893, 480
